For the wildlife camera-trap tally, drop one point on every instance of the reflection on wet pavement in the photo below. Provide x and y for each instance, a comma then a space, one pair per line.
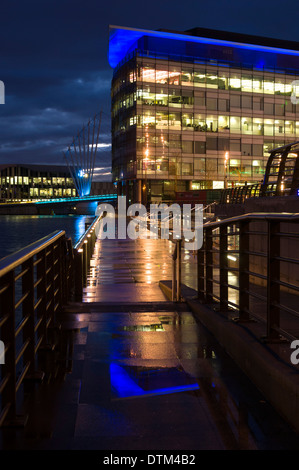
141, 264
147, 380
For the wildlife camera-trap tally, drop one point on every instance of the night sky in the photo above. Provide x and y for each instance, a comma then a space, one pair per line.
55, 68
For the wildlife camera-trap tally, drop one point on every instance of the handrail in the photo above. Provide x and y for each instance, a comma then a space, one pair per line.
18, 257
270, 216
87, 232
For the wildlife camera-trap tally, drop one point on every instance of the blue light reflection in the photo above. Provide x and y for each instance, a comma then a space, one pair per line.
126, 387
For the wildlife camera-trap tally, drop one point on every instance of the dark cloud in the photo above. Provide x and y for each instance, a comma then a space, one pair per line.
53, 61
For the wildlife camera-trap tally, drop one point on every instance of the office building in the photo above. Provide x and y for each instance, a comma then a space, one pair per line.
32, 182
198, 109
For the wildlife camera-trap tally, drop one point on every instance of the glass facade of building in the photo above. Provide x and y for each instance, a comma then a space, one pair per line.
191, 114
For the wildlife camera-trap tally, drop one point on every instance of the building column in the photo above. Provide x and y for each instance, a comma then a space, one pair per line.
138, 191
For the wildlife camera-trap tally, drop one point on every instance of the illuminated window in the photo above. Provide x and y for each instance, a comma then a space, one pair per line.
187, 122
161, 119
223, 81
199, 78
186, 77
246, 125
278, 127
235, 83
175, 98
257, 85
218, 184
268, 126
235, 124
257, 167
257, 126
223, 123
174, 76
268, 86
279, 88
199, 123
175, 121
212, 124
246, 83
289, 127
211, 81
148, 74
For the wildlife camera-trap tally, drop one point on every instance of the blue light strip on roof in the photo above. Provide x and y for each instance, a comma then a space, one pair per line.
123, 39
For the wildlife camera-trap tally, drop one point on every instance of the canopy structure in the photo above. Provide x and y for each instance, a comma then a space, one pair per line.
81, 154
282, 171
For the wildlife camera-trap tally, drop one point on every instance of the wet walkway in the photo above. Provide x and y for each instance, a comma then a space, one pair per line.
140, 373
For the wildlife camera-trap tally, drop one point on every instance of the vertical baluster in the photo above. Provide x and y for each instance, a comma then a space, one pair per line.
223, 268
42, 297
209, 265
273, 289
28, 311
201, 271
244, 270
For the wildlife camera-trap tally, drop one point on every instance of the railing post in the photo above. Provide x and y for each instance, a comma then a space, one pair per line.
223, 268
28, 311
273, 275
178, 270
85, 262
78, 267
42, 297
201, 271
173, 286
50, 280
68, 267
60, 256
244, 270
209, 265
8, 395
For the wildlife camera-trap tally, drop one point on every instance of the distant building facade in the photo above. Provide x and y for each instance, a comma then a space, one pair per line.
29, 182
102, 187
198, 109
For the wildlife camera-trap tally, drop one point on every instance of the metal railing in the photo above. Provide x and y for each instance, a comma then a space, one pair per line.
238, 194
35, 283
83, 251
248, 268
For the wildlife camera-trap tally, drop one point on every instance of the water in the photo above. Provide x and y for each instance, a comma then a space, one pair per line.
18, 231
